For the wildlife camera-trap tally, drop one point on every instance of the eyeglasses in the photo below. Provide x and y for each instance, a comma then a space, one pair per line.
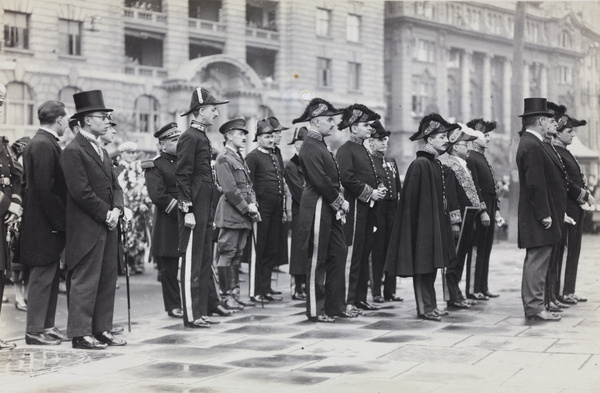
104, 117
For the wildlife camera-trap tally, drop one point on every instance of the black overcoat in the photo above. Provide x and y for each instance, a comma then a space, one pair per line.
295, 182
11, 175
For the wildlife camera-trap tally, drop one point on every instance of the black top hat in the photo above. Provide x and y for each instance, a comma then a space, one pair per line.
73, 121
299, 134
263, 127
379, 132
482, 125
357, 113
536, 106
233, 124
433, 124
317, 107
89, 101
169, 130
201, 97
276, 125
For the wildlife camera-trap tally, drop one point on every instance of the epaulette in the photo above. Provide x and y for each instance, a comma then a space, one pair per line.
147, 164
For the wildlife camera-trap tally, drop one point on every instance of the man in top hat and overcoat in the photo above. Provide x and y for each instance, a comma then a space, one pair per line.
385, 211
236, 209
295, 181
266, 173
362, 189
196, 181
43, 225
162, 190
422, 224
322, 215
94, 205
542, 204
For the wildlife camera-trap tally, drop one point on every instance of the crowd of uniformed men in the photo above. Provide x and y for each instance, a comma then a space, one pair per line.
349, 214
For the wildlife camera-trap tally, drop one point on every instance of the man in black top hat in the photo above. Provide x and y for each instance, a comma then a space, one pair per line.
94, 205
483, 176
579, 199
236, 209
196, 182
322, 214
542, 204
295, 181
385, 211
422, 225
162, 190
362, 189
266, 173
43, 225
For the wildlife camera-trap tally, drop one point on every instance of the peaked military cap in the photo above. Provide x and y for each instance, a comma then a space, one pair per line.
233, 124
357, 113
432, 124
201, 97
379, 132
169, 130
299, 134
317, 107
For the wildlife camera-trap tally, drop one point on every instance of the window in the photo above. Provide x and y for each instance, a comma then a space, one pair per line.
565, 39
323, 22
353, 28
144, 49
454, 59
69, 32
205, 9
323, 72
420, 98
426, 51
16, 30
353, 76
146, 114
20, 103
565, 74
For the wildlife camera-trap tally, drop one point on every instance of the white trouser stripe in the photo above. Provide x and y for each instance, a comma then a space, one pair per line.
253, 260
471, 288
315, 258
563, 269
188, 279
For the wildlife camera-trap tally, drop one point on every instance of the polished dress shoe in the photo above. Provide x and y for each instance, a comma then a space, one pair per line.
230, 304
244, 302
553, 308
116, 329
222, 311
430, 316
347, 314
87, 342
259, 299
207, 319
272, 297
578, 298
21, 306
110, 340
544, 316
353, 310
274, 292
198, 323
440, 313
378, 299
55, 333
298, 296
559, 304
366, 306
458, 304
40, 339
323, 318
6, 346
478, 296
470, 302
490, 295
175, 313
568, 299
394, 298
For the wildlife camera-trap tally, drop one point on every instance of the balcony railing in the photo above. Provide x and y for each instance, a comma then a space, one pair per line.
207, 26
145, 71
146, 16
262, 34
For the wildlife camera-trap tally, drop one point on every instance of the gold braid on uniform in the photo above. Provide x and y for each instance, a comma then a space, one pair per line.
465, 181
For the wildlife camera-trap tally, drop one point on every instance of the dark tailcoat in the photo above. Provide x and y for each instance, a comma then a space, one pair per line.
543, 193
44, 202
295, 181
162, 190
10, 191
93, 191
484, 181
422, 231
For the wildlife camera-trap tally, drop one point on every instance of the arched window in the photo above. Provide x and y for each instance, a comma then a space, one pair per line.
146, 114
20, 103
65, 95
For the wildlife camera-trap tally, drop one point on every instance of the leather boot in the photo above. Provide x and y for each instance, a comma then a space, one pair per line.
230, 303
223, 278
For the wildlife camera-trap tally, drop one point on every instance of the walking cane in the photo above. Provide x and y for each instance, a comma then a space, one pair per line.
124, 239
253, 264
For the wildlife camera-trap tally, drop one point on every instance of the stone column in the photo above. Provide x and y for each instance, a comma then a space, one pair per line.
526, 92
487, 86
442, 76
465, 99
233, 14
543, 80
506, 95
176, 42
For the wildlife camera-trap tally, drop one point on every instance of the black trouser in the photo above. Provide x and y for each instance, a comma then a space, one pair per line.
358, 280
42, 297
484, 241
385, 213
424, 285
268, 240
572, 242
169, 267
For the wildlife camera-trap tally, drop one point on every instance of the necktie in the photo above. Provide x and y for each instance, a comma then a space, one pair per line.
97, 147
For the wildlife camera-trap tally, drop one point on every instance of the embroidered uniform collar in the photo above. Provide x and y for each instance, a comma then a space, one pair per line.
377, 154
199, 126
263, 150
315, 134
429, 149
478, 149
355, 139
559, 143
461, 161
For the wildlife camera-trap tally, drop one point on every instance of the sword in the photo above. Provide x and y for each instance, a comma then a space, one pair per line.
124, 239
253, 264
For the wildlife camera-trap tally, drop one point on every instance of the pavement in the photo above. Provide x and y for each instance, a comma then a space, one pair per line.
489, 348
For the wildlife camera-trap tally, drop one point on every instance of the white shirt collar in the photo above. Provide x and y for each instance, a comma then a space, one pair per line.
54, 134
537, 134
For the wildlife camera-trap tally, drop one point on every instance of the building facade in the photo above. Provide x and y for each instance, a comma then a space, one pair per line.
269, 58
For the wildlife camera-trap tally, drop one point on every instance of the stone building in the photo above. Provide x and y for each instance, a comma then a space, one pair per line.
266, 57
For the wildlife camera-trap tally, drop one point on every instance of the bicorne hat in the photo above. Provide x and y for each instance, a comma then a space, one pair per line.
299, 134
482, 125
379, 132
276, 124
432, 124
201, 97
168, 131
233, 124
464, 133
89, 101
263, 127
317, 107
357, 113
536, 106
